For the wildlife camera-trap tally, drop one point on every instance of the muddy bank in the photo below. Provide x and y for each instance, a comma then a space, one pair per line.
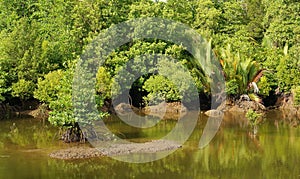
120, 149
18, 109
241, 106
174, 110
163, 110
236, 106
285, 103
7, 111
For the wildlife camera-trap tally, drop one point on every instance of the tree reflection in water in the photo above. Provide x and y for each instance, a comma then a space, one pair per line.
273, 153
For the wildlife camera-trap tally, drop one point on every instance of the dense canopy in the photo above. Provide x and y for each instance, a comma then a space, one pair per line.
41, 41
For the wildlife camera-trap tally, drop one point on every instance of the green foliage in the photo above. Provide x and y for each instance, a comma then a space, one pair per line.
169, 86
255, 12
56, 91
160, 89
49, 87
264, 86
232, 87
282, 32
179, 10
255, 98
4, 89
233, 16
23, 89
296, 94
207, 18
289, 69
253, 117
239, 71
145, 8
39, 37
103, 83
35, 42
282, 22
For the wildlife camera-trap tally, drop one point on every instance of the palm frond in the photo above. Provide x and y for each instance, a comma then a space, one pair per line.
258, 75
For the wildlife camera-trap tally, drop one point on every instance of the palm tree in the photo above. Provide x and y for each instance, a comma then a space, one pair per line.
241, 74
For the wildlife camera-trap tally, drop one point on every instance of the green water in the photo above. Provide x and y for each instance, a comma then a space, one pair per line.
233, 153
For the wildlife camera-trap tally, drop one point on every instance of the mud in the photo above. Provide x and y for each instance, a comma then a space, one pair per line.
120, 149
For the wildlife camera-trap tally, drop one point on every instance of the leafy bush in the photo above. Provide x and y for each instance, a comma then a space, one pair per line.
253, 117
56, 91
23, 89
296, 94
232, 87
49, 87
168, 85
289, 69
4, 89
264, 86
160, 89
103, 83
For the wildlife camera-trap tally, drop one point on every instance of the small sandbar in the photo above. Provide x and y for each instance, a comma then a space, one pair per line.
115, 149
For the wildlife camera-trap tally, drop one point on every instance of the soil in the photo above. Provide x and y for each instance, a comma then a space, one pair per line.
120, 149
286, 105
163, 110
241, 106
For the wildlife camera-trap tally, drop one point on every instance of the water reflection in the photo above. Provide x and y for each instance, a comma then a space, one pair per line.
233, 153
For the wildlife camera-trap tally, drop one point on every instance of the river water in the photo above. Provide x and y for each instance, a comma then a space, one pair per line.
274, 153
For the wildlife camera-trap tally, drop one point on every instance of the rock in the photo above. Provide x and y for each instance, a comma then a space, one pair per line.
241, 105
244, 97
165, 110
246, 105
226, 105
214, 113
124, 108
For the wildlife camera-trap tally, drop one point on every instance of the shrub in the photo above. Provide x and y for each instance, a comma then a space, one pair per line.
56, 91
49, 87
161, 88
170, 86
23, 89
296, 94
253, 117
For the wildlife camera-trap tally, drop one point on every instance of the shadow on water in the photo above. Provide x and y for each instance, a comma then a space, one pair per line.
233, 153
